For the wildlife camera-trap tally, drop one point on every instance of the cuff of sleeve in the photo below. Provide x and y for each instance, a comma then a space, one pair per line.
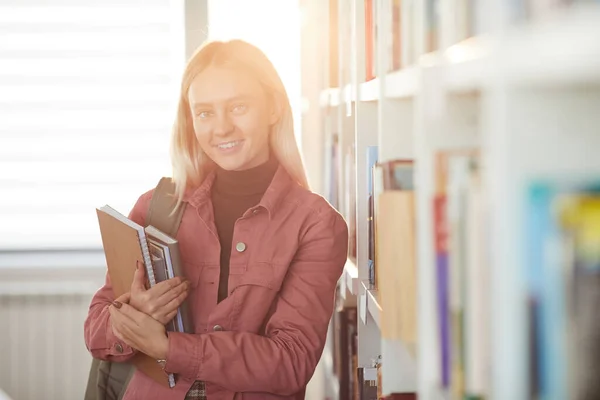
115, 346
182, 357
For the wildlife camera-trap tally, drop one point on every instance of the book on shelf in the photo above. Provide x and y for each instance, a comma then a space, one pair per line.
332, 171
370, 39
367, 383
350, 199
461, 273
391, 19
334, 52
395, 34
562, 259
477, 288
432, 17
372, 155
402, 396
441, 268
126, 242
395, 250
345, 350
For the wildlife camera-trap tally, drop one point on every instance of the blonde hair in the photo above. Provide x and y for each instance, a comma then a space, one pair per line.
190, 163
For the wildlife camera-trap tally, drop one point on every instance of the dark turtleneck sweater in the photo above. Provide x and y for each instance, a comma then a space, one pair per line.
232, 194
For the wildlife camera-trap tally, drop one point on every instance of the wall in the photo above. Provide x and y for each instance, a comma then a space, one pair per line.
41, 341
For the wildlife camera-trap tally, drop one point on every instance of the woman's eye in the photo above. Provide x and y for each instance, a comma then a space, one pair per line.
203, 114
239, 108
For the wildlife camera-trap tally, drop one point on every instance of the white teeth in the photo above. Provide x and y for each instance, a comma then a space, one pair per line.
228, 145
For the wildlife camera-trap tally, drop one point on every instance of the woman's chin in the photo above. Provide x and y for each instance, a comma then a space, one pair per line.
230, 164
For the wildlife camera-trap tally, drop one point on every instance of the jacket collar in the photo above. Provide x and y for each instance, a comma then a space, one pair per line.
277, 190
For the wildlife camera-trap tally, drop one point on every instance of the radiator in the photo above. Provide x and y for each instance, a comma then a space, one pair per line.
42, 351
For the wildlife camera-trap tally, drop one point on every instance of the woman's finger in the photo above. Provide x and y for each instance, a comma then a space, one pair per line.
175, 302
173, 294
130, 316
163, 287
170, 316
118, 333
124, 298
139, 278
116, 321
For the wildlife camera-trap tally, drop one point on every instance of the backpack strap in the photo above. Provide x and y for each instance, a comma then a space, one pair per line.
162, 213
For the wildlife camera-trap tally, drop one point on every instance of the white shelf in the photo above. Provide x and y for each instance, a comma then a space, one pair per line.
369, 91
402, 84
351, 277
348, 94
465, 64
563, 49
330, 97
373, 306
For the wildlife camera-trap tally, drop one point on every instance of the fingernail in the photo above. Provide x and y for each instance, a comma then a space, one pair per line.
117, 304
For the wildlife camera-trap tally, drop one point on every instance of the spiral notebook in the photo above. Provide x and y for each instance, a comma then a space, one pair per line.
166, 251
125, 243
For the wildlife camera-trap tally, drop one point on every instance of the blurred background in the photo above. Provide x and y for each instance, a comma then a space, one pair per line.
457, 138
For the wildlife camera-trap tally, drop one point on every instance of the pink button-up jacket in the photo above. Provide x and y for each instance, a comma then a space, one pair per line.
265, 339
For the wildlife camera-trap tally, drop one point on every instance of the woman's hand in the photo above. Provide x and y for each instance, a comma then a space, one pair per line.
160, 301
139, 330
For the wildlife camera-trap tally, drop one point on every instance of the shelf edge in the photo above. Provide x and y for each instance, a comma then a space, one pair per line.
351, 274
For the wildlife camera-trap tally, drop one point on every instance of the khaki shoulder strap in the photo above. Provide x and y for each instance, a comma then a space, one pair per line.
162, 213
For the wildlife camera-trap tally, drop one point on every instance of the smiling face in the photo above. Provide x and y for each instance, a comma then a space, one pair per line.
232, 117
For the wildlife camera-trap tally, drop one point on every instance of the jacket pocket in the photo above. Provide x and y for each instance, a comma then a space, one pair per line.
254, 295
262, 274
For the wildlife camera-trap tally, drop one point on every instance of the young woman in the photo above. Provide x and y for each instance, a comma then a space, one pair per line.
262, 254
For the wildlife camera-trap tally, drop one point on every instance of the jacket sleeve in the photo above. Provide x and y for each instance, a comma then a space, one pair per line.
283, 361
99, 337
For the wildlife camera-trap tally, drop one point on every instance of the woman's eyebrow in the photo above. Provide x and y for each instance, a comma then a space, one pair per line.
225, 101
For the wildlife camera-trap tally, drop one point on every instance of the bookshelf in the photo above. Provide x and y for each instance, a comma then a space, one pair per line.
520, 96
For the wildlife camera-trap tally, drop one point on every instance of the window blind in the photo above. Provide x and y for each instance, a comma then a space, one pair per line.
87, 100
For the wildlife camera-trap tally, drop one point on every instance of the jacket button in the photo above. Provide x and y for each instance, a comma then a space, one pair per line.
217, 328
240, 247
119, 348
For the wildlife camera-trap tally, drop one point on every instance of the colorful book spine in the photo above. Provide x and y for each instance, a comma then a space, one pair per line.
442, 275
572, 293
372, 156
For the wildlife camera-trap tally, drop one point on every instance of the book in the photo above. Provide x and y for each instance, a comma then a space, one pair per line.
396, 266
166, 249
125, 243
442, 284
477, 289
345, 350
562, 255
372, 155
367, 383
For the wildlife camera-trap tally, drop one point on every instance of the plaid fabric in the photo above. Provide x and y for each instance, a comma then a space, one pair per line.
196, 392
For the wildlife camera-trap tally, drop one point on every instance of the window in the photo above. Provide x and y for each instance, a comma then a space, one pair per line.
87, 99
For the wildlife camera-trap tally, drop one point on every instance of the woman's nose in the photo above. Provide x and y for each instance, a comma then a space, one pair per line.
224, 125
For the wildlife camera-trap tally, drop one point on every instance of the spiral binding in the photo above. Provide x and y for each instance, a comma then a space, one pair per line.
147, 259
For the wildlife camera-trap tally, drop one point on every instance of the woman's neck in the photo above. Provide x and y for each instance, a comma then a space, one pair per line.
247, 182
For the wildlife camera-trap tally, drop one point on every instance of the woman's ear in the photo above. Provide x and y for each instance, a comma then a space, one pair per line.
275, 109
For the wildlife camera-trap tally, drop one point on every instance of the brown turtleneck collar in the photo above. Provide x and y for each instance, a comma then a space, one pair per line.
248, 182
